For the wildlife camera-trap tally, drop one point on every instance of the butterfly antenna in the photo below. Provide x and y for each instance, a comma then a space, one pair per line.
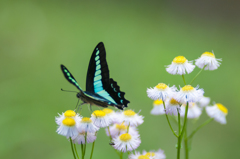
68, 91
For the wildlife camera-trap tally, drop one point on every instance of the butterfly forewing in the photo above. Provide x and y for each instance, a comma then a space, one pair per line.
70, 77
98, 73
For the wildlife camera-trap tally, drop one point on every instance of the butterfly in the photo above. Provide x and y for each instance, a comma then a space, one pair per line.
100, 89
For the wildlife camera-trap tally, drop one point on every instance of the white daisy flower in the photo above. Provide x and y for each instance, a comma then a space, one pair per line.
203, 102
172, 106
67, 114
118, 129
158, 108
132, 118
68, 128
126, 142
161, 91
138, 155
180, 65
100, 119
218, 112
111, 114
155, 154
86, 125
208, 59
193, 110
189, 94
80, 138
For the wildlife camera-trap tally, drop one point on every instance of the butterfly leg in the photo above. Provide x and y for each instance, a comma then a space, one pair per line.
90, 108
79, 106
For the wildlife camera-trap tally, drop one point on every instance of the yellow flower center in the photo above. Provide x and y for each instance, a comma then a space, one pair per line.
179, 60
222, 108
158, 102
208, 54
69, 122
121, 127
173, 101
129, 113
187, 88
125, 137
143, 157
69, 113
150, 154
99, 113
107, 110
161, 86
86, 120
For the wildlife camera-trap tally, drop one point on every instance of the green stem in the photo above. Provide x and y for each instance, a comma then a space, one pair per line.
84, 149
121, 155
72, 148
76, 150
182, 132
186, 144
179, 132
169, 121
92, 150
184, 79
199, 127
198, 74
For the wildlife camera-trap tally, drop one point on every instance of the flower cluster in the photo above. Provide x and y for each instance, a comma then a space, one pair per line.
120, 126
170, 100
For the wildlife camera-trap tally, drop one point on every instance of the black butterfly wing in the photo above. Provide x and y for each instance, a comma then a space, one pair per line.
98, 79
116, 94
98, 73
70, 77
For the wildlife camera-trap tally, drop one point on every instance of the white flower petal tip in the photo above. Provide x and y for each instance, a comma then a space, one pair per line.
218, 112
189, 94
118, 129
126, 142
161, 91
193, 110
80, 138
172, 106
129, 117
100, 119
67, 124
203, 102
180, 65
86, 125
208, 60
158, 108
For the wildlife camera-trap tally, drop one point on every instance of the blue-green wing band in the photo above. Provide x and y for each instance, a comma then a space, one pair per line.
70, 77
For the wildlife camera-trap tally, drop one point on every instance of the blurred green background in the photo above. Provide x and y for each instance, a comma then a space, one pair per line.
141, 37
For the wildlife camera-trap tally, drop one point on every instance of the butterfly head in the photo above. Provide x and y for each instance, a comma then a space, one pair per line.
79, 95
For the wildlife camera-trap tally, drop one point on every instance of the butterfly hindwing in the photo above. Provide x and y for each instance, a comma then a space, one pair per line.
98, 73
116, 94
70, 77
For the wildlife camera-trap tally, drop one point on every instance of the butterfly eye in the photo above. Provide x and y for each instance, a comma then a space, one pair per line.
78, 95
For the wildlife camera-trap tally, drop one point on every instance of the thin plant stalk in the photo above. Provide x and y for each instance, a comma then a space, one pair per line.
197, 74
72, 148
184, 79
76, 150
182, 132
169, 121
92, 150
199, 127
